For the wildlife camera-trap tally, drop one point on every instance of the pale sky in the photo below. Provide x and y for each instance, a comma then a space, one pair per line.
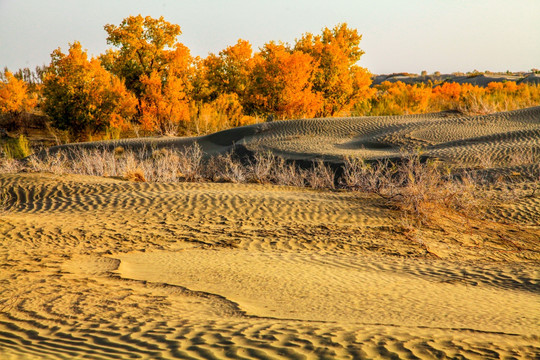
398, 35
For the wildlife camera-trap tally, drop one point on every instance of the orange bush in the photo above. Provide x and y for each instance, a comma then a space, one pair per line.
340, 81
283, 83
155, 67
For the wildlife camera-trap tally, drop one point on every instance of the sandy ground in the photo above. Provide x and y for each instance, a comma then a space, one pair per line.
102, 268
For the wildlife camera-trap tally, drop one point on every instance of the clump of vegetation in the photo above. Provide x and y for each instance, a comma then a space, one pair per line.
17, 148
421, 190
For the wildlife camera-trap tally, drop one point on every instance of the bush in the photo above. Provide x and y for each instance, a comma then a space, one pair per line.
17, 148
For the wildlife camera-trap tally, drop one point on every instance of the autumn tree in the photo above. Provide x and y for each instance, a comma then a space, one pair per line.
81, 96
283, 82
32, 78
14, 96
155, 68
341, 82
229, 72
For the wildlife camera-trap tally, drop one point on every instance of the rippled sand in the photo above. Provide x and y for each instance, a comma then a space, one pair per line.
102, 268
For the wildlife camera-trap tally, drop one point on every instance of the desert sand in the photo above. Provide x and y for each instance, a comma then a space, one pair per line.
103, 268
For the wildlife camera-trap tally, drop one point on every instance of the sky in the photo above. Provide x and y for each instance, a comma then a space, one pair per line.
398, 35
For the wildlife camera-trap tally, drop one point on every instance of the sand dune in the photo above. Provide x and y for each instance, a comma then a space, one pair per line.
102, 268
497, 137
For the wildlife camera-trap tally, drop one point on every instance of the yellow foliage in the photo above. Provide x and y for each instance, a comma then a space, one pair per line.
14, 95
341, 82
399, 98
80, 95
155, 67
283, 83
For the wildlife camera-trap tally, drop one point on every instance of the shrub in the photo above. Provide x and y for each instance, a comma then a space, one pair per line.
261, 168
136, 175
17, 148
320, 176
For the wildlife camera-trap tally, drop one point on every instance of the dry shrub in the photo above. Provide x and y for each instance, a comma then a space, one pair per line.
420, 190
224, 168
361, 176
190, 163
227, 168
9, 165
474, 103
96, 162
320, 176
136, 175
57, 163
161, 166
288, 173
261, 169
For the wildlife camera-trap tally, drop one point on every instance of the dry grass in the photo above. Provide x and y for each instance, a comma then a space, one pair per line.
421, 190
320, 176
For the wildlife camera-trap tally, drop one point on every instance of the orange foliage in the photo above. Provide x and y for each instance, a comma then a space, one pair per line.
14, 95
222, 113
283, 82
396, 99
167, 90
341, 82
399, 98
164, 102
230, 72
80, 95
155, 67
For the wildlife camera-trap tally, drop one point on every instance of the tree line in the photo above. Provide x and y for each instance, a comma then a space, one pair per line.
148, 80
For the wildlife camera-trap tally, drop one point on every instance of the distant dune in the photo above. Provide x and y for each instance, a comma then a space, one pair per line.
473, 79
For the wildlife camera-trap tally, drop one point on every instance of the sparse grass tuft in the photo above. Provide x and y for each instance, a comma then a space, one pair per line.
17, 148
136, 175
320, 176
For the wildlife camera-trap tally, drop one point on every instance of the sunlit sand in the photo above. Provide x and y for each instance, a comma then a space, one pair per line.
96, 267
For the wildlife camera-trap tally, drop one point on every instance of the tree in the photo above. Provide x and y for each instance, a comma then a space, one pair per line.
83, 97
229, 72
341, 82
14, 96
154, 66
283, 82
